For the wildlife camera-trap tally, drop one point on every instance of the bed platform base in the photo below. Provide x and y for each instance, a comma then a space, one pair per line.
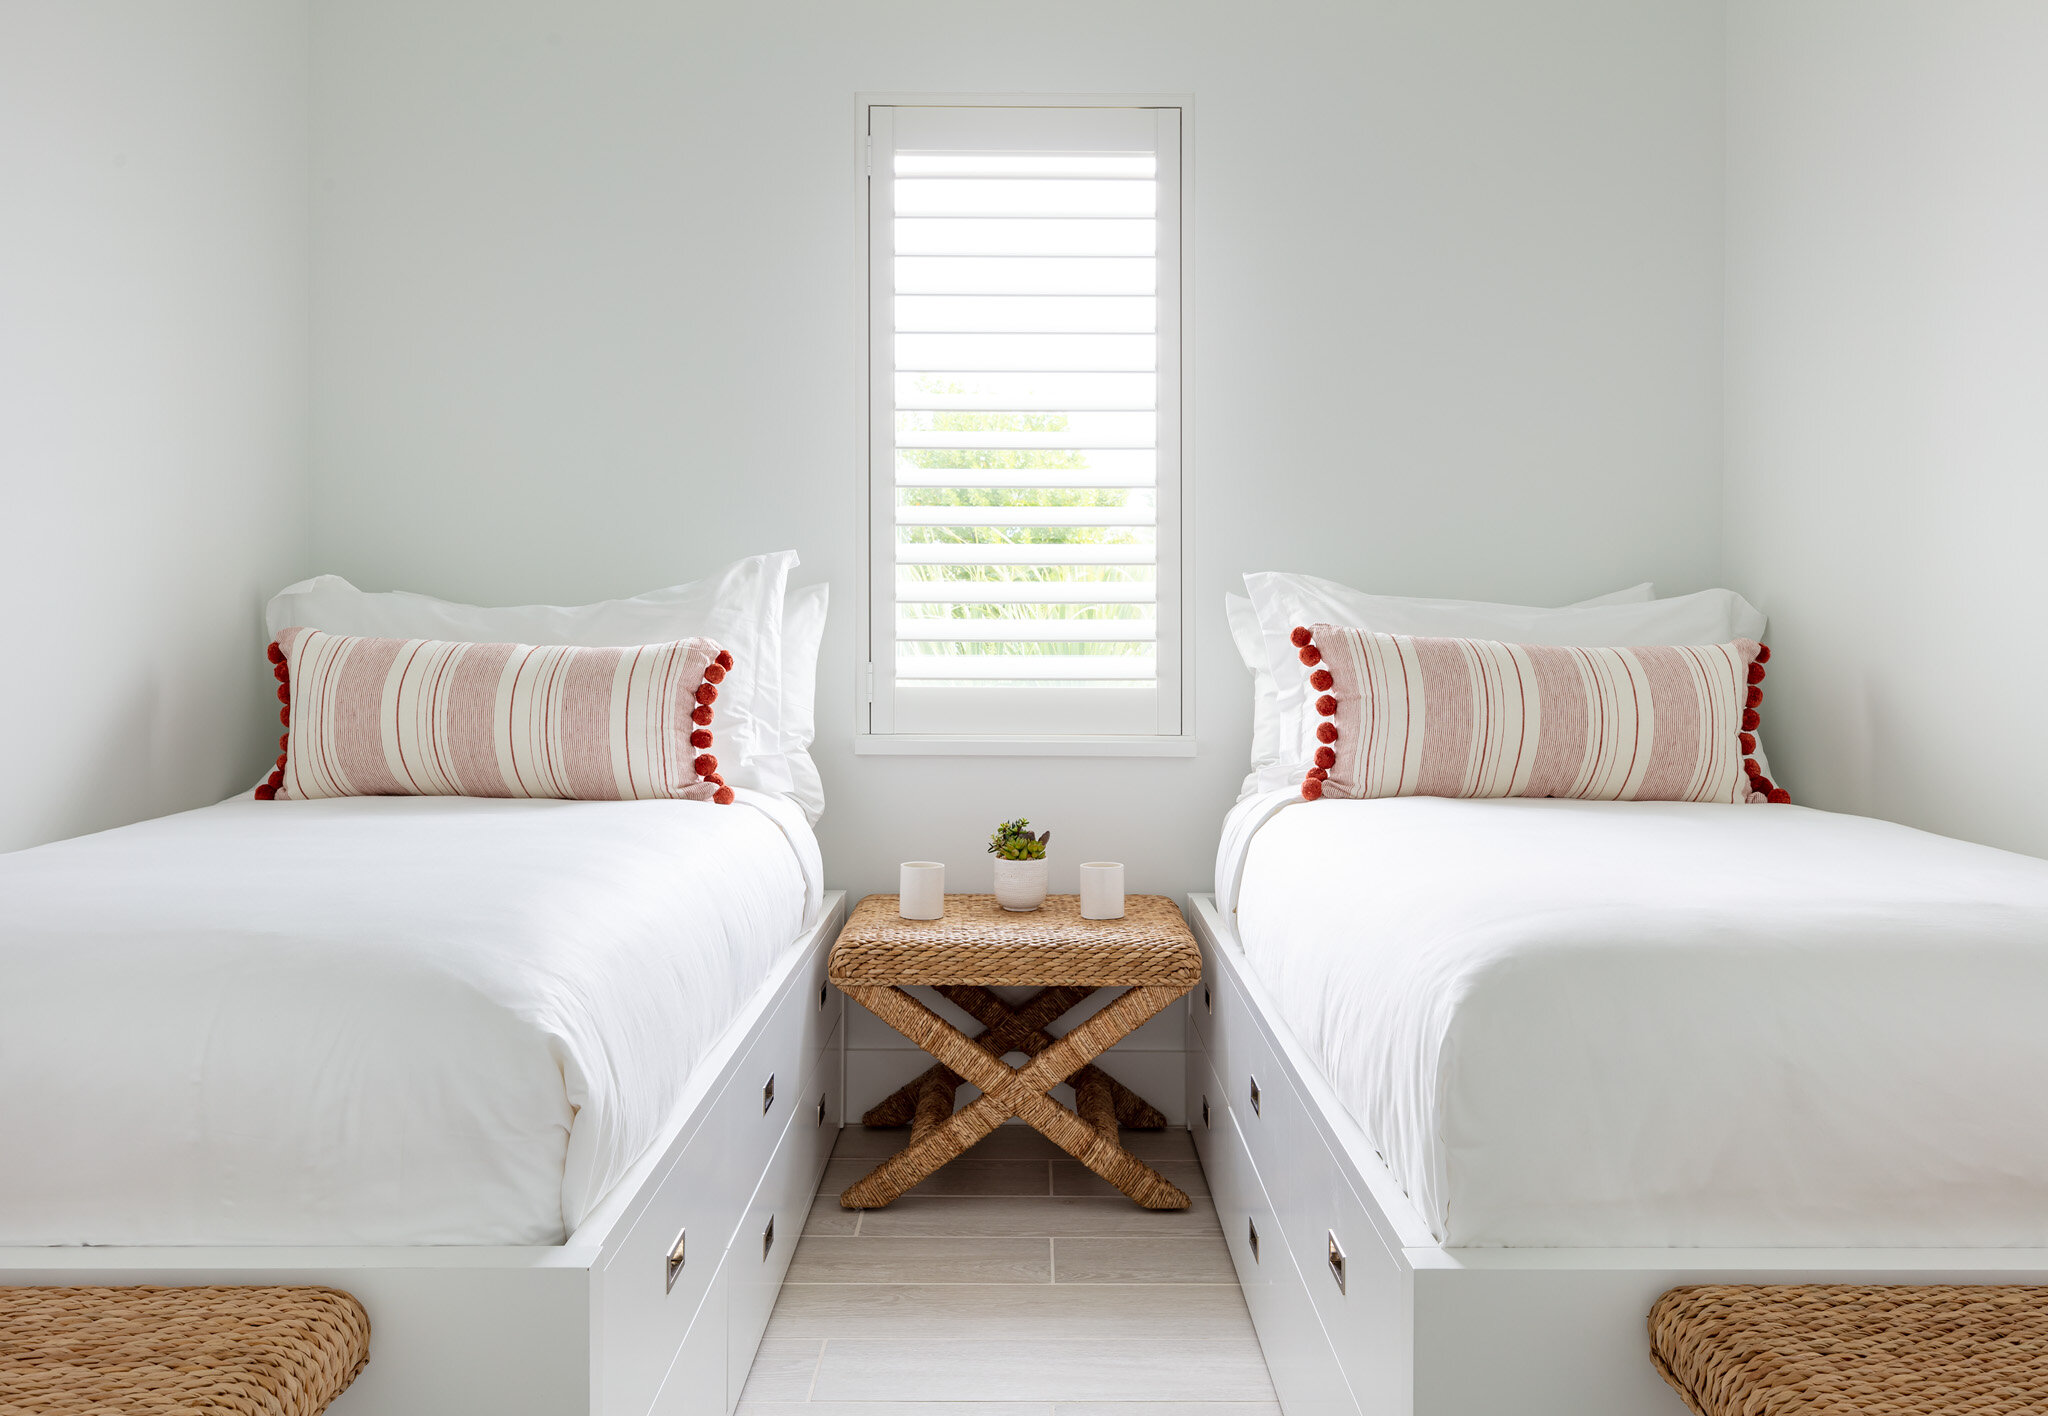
654, 1306
1362, 1313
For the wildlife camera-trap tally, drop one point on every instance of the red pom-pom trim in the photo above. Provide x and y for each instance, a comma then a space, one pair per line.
714, 674
1321, 681
1761, 783
715, 780
724, 660
707, 694
1756, 673
1778, 796
284, 742
701, 715
1750, 721
723, 796
284, 694
284, 715
700, 739
1321, 774
1327, 706
1311, 656
1756, 697
1748, 741
1326, 732
280, 673
1301, 636
276, 654
266, 792
1326, 757
280, 761
705, 764
276, 777
1312, 789
1763, 653
1749, 766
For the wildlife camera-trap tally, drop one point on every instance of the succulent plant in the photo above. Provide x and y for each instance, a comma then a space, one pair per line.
1014, 841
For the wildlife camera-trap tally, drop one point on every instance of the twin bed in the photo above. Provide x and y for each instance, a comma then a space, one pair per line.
1489, 1076
540, 1081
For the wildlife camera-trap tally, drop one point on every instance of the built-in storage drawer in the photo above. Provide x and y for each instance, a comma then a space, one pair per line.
1349, 1269
774, 1222
1298, 1351
695, 1383
653, 1283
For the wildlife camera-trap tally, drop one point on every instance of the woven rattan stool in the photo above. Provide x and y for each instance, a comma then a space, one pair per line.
1845, 1350
260, 1351
975, 948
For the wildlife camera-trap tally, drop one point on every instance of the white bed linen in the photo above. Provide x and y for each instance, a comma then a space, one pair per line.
375, 1020
1616, 1024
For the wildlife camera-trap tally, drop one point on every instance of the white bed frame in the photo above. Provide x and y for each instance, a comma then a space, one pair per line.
601, 1324
1410, 1327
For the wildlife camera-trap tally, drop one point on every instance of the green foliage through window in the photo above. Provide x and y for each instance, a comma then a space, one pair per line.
962, 464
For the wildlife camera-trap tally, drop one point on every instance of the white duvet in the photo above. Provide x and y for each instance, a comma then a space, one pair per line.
379, 1020
1648, 1024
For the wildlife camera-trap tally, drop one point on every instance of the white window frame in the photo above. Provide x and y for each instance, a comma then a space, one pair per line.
876, 579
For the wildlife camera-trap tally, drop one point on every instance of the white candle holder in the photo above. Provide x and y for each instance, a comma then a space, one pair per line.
921, 889
1102, 889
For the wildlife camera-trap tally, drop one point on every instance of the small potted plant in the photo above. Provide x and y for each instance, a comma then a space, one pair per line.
1020, 865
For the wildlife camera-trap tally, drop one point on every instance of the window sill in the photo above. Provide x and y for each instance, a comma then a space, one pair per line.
966, 745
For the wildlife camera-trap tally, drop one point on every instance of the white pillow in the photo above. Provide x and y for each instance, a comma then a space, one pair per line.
740, 605
1270, 745
803, 630
1282, 601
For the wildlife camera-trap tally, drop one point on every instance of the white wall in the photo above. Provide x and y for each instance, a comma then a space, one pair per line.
1887, 484
153, 396
585, 314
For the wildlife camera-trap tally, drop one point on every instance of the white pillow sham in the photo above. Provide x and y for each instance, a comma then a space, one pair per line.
803, 630
1274, 735
740, 605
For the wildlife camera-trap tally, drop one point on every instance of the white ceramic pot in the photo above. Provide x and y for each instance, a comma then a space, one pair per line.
1020, 884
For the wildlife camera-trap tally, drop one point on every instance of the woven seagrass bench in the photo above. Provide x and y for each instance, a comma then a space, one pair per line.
259, 1351
1848, 1350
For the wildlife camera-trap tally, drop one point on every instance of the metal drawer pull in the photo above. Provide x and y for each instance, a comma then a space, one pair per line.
675, 1260
768, 1094
1336, 1261
1255, 1096
767, 1238
1254, 1226
821, 1108
1205, 1113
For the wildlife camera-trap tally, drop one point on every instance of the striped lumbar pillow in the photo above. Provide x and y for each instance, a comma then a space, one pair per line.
426, 717
1399, 715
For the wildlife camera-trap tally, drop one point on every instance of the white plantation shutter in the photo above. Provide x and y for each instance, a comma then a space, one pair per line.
1024, 444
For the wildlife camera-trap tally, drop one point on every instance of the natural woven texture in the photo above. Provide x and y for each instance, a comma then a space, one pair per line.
1008, 1092
273, 1351
979, 942
975, 947
1005, 1030
1847, 1350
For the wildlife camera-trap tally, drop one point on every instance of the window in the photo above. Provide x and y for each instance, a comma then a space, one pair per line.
1024, 442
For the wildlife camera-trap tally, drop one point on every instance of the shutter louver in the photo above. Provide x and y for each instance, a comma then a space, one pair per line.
1023, 438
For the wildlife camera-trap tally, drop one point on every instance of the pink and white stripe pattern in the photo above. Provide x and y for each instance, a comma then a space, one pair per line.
1398, 715
421, 717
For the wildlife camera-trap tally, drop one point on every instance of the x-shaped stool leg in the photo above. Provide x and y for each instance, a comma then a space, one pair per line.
1007, 1029
1016, 1091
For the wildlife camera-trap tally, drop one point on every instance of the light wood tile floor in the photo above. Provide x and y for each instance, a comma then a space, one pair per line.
1012, 1283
